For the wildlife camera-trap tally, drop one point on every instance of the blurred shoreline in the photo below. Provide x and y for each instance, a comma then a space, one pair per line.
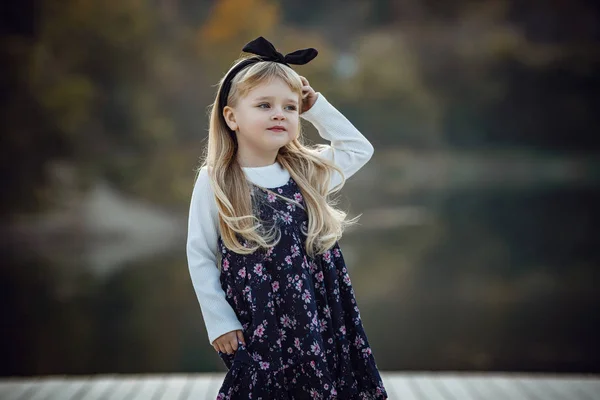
118, 229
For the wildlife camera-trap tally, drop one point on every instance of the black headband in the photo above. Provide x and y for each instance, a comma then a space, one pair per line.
265, 52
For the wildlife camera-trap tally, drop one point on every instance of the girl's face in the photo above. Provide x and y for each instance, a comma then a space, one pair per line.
265, 120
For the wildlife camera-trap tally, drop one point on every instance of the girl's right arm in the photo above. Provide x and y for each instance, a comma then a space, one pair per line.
201, 249
348, 148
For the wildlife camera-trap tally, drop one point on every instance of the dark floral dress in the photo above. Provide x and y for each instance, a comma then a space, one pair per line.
304, 336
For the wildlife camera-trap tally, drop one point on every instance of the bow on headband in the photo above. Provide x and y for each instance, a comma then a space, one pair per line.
262, 47
265, 52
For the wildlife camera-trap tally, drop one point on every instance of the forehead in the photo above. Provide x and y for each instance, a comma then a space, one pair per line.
275, 88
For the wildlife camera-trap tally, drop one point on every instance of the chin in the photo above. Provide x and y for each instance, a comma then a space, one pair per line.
278, 144
281, 137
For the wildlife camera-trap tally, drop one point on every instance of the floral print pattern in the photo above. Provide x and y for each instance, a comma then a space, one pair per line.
301, 322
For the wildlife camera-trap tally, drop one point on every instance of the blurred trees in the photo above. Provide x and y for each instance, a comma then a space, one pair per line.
120, 90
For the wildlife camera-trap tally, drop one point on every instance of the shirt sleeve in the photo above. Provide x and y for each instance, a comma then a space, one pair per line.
219, 316
348, 148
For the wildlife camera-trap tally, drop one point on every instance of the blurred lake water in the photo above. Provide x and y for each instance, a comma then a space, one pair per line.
461, 261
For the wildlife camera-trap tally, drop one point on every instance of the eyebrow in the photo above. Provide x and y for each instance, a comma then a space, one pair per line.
295, 101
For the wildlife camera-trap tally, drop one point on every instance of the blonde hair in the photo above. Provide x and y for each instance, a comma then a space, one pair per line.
311, 172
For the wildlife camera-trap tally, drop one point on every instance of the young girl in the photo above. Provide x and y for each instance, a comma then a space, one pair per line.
263, 234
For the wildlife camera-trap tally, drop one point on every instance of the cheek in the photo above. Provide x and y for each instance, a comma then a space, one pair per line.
293, 118
295, 122
249, 122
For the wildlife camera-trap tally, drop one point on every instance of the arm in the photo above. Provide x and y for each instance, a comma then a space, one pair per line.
218, 315
349, 149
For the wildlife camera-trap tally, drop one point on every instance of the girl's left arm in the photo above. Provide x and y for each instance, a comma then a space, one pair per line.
348, 149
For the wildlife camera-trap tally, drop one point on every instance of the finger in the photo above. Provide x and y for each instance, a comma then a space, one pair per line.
228, 348
309, 94
304, 80
234, 344
240, 336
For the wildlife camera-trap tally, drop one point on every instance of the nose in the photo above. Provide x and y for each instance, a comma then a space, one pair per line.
278, 115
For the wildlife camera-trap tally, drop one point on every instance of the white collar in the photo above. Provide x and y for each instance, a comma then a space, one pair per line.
269, 176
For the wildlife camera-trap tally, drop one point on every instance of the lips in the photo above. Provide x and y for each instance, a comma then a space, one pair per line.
277, 129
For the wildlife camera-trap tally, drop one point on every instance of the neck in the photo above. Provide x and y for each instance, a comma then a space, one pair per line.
252, 161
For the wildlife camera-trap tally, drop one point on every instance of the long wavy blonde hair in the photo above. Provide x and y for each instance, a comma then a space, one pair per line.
311, 172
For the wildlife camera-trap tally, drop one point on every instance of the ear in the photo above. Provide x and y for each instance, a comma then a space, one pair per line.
229, 116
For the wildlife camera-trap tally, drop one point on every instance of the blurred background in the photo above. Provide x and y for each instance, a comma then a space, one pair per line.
477, 248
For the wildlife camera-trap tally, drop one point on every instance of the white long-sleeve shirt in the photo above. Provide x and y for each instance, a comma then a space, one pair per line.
349, 149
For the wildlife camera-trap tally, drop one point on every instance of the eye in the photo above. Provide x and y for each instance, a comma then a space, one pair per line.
263, 104
292, 108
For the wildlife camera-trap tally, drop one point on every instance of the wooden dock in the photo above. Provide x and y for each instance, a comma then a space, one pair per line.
400, 386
